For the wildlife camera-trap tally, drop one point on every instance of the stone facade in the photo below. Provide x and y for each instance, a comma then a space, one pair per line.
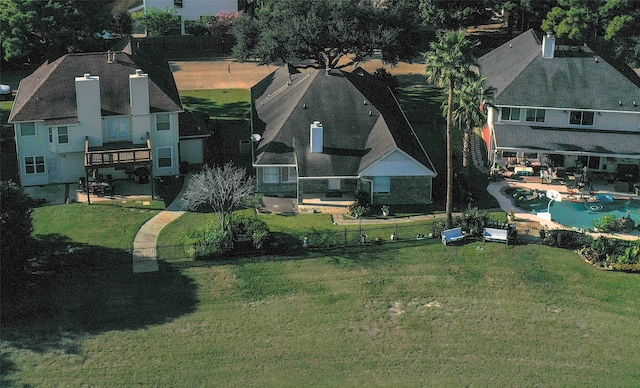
406, 190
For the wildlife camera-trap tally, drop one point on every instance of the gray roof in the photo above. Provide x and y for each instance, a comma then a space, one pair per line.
361, 119
575, 79
510, 136
49, 92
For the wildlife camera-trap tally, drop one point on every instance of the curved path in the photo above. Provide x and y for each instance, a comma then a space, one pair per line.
145, 256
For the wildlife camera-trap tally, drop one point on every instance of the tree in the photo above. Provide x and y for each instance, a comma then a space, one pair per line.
526, 14
122, 24
35, 29
588, 21
469, 101
15, 234
224, 189
575, 19
454, 14
162, 22
449, 60
325, 30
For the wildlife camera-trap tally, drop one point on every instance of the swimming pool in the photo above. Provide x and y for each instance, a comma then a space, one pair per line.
578, 214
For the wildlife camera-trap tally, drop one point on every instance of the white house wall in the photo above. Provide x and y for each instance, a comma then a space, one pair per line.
165, 139
69, 158
559, 118
396, 163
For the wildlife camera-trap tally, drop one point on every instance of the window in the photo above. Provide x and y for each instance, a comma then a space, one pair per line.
118, 128
27, 129
578, 117
510, 114
535, 115
381, 184
63, 135
164, 157
178, 3
287, 174
270, 174
34, 164
50, 135
162, 122
509, 154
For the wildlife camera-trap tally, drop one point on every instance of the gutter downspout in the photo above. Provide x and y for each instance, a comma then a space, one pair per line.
370, 187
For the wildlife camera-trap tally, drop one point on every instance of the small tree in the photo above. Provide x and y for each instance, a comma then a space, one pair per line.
162, 22
222, 188
15, 234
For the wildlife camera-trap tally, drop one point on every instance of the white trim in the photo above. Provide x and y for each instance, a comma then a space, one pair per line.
427, 171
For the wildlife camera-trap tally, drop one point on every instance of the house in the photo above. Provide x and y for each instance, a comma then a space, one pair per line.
192, 9
329, 133
562, 105
116, 113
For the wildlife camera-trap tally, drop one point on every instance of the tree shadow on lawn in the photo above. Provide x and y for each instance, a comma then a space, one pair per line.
202, 105
91, 290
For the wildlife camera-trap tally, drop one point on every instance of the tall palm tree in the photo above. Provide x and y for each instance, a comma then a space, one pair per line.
449, 60
469, 103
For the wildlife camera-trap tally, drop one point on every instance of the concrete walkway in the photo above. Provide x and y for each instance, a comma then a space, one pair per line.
145, 255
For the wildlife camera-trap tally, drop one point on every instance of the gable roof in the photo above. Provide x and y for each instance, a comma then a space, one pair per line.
575, 78
361, 121
49, 92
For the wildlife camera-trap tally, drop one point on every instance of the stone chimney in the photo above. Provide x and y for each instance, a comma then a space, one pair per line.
89, 106
316, 137
548, 45
139, 93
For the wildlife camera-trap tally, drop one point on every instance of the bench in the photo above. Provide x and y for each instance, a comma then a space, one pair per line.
497, 235
451, 235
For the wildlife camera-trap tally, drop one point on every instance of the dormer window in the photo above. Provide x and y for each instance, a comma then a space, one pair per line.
578, 117
510, 114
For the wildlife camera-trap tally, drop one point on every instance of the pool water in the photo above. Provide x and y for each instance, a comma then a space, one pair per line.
578, 214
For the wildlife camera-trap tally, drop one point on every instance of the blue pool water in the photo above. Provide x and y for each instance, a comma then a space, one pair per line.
578, 214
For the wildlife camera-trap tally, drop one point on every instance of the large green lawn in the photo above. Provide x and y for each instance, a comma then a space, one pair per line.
473, 315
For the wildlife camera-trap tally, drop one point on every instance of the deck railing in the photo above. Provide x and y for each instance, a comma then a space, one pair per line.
114, 157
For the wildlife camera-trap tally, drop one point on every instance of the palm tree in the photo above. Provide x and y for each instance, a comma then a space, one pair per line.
449, 60
470, 101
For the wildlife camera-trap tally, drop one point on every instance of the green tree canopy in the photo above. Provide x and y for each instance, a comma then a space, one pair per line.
15, 234
449, 14
35, 29
162, 22
325, 30
587, 21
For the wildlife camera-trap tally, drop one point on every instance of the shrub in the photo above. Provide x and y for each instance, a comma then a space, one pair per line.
251, 227
209, 242
606, 223
362, 205
568, 239
474, 221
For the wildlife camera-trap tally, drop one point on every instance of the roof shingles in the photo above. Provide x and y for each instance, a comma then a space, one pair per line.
49, 92
361, 122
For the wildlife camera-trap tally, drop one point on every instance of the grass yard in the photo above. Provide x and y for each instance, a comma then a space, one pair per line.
472, 315
8, 157
219, 103
95, 225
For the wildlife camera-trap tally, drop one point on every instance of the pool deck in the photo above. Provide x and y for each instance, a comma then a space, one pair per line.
507, 203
